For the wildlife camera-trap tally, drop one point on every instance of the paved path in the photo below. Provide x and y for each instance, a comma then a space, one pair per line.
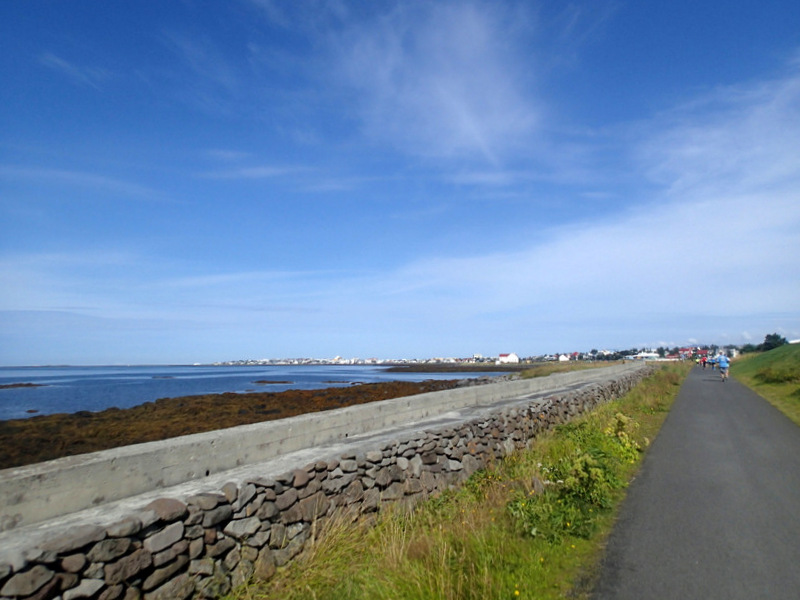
715, 511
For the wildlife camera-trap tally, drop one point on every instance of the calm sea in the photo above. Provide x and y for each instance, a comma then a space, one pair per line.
72, 389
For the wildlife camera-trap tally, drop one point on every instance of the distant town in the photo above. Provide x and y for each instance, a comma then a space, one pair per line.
510, 358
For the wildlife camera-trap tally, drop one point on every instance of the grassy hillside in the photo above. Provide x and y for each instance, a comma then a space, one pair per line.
775, 375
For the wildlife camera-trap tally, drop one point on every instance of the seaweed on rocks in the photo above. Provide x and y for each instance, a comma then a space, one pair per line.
46, 437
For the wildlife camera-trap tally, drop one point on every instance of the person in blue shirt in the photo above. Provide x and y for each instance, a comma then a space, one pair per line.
724, 364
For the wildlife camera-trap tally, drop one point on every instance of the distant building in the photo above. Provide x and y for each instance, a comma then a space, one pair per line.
508, 359
644, 355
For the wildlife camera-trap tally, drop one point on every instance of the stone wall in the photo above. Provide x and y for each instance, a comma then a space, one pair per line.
203, 545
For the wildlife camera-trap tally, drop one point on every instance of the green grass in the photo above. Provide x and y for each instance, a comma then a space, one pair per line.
548, 368
507, 533
775, 375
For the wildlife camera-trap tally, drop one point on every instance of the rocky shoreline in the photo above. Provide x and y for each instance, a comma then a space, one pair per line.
10, 386
47, 437
457, 368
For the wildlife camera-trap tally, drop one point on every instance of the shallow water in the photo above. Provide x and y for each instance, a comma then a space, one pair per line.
73, 389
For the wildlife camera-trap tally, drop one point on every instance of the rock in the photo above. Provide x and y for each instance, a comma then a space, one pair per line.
383, 478
268, 511
415, 465
164, 538
27, 582
349, 466
112, 593
287, 553
395, 491
196, 547
87, 588
352, 493
300, 478
277, 538
413, 487
220, 548
201, 567
247, 493
374, 456
292, 514
314, 506
132, 593
205, 501
371, 501
170, 553
128, 566
159, 576
180, 588
216, 586
48, 590
125, 527
265, 564
218, 515
242, 573
73, 563
168, 509
107, 550
192, 532
242, 528
470, 464
258, 539
285, 500
230, 491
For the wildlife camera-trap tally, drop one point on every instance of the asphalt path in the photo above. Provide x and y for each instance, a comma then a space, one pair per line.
715, 510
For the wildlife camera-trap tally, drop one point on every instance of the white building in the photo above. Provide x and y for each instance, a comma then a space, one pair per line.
508, 359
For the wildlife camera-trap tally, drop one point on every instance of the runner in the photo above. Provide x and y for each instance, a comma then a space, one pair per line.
724, 364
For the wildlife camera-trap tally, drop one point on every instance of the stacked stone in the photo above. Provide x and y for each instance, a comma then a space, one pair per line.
207, 544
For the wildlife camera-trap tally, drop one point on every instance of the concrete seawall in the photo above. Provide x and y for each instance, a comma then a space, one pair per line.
218, 508
53, 488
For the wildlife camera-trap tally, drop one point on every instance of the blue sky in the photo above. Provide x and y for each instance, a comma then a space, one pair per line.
195, 181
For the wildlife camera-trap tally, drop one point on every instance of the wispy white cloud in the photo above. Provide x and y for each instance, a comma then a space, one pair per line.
740, 137
718, 241
82, 179
78, 74
440, 80
204, 59
258, 172
228, 155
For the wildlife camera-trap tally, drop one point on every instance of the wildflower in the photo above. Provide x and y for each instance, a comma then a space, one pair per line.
516, 592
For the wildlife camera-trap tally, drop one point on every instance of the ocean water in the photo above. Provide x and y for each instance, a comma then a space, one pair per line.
73, 389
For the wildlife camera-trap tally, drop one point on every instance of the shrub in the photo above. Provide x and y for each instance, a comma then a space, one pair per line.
777, 375
579, 484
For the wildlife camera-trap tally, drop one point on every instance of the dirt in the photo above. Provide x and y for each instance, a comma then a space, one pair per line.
46, 437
